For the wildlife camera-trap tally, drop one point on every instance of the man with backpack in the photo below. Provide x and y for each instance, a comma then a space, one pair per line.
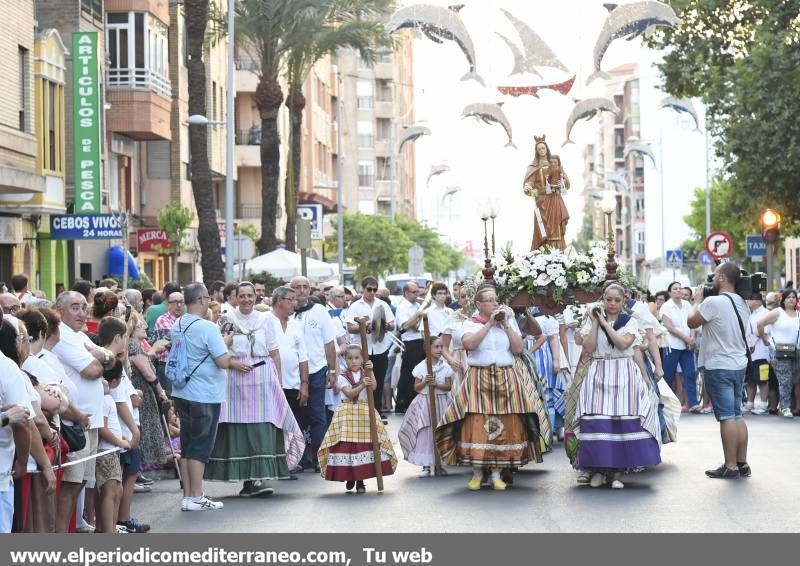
196, 368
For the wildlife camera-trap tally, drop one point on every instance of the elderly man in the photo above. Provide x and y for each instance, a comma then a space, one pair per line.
162, 330
319, 334
292, 346
9, 303
368, 306
155, 311
84, 364
199, 401
409, 315
134, 298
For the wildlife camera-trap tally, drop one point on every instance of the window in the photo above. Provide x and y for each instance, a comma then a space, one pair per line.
92, 9
383, 91
24, 98
384, 169
366, 138
213, 100
366, 174
138, 52
158, 159
639, 242
51, 160
364, 94
384, 126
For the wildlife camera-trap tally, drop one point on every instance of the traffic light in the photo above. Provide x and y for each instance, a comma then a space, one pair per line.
770, 226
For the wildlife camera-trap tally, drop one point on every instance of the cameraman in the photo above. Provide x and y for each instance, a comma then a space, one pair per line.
723, 354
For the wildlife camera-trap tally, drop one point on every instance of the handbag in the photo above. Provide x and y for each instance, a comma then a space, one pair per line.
74, 435
787, 351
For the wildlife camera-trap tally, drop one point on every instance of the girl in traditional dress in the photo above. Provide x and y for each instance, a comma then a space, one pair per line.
258, 437
496, 418
346, 451
616, 425
416, 438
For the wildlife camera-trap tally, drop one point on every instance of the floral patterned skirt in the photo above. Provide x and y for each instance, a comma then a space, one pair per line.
494, 441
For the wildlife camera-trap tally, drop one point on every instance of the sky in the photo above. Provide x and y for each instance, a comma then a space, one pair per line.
481, 166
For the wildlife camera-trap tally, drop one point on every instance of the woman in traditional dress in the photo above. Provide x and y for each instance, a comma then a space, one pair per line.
415, 434
496, 418
616, 425
346, 453
550, 212
258, 437
453, 350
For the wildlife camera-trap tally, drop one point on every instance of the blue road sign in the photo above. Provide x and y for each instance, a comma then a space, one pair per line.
756, 246
705, 258
675, 258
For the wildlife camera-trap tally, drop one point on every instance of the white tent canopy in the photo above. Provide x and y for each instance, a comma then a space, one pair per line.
283, 264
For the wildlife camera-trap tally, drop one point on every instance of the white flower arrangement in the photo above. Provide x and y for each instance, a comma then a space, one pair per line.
550, 271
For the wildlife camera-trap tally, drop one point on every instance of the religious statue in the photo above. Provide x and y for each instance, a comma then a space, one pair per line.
545, 180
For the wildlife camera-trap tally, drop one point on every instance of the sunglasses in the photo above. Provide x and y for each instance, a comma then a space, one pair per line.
371, 289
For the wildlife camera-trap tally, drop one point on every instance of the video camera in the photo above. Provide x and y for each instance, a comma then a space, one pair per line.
746, 285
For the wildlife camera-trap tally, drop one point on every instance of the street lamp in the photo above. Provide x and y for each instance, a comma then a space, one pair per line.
608, 203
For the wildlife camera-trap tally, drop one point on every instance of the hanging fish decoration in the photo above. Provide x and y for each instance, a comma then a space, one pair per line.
640, 149
450, 191
411, 134
537, 52
683, 106
533, 90
438, 23
490, 113
631, 20
586, 110
615, 179
436, 170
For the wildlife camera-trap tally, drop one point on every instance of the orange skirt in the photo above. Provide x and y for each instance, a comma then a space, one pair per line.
494, 441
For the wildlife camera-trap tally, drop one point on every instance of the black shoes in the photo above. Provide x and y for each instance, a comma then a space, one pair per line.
725, 473
255, 487
744, 469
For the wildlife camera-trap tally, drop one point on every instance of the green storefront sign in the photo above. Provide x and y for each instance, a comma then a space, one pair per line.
86, 122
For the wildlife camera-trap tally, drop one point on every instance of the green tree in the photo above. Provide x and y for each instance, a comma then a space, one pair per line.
372, 244
197, 16
174, 219
439, 258
743, 60
328, 26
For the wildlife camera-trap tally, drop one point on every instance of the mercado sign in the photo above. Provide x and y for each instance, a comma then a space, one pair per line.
152, 240
86, 122
84, 227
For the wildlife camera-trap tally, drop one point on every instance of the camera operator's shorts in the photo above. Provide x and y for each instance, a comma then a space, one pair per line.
725, 386
198, 428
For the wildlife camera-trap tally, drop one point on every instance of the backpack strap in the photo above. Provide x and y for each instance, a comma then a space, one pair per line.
204, 357
741, 328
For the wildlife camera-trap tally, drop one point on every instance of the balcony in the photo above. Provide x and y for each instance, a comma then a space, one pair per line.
248, 210
140, 104
382, 148
18, 164
384, 70
383, 109
248, 148
245, 76
156, 7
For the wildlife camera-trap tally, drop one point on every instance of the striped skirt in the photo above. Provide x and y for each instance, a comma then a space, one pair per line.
458, 376
416, 437
257, 398
496, 418
346, 451
616, 424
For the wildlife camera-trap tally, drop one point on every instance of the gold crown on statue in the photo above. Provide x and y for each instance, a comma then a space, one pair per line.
539, 139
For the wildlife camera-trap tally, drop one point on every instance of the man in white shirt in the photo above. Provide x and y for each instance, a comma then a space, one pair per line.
378, 353
674, 315
83, 363
438, 313
320, 338
408, 318
15, 413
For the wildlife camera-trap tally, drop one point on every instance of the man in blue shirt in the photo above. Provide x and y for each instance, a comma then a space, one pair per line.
198, 402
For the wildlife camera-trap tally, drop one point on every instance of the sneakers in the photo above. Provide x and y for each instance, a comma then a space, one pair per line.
584, 477
200, 504
597, 480
758, 410
696, 409
747, 408
144, 480
133, 526
787, 412
744, 469
426, 472
707, 409
141, 488
616, 484
360, 487
723, 473
255, 487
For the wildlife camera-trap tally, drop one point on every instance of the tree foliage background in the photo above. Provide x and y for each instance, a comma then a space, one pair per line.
377, 246
743, 60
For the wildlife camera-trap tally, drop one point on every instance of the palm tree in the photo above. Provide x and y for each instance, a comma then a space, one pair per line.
197, 13
328, 25
264, 28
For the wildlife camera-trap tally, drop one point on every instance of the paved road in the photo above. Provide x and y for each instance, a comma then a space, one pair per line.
676, 496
